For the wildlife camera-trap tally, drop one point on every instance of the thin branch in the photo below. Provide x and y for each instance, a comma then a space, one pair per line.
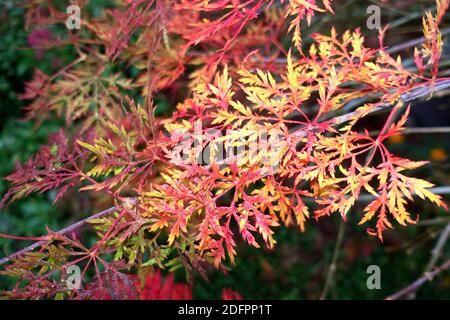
435, 254
417, 93
72, 227
427, 277
333, 265
434, 221
419, 130
366, 197
412, 43
437, 250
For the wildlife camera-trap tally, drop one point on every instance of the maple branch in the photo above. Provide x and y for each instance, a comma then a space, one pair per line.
72, 227
406, 97
414, 130
66, 230
427, 277
435, 253
434, 221
414, 94
437, 250
333, 265
412, 43
366, 197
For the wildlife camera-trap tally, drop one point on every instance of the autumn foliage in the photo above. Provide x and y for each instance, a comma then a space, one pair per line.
188, 186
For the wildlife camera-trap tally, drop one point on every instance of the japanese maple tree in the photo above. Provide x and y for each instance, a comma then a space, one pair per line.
267, 133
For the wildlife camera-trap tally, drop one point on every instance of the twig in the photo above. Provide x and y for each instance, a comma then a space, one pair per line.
420, 282
434, 221
435, 254
366, 197
414, 130
68, 229
406, 97
415, 242
437, 250
412, 43
332, 269
412, 95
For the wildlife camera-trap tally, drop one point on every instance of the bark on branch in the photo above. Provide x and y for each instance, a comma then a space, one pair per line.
427, 277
